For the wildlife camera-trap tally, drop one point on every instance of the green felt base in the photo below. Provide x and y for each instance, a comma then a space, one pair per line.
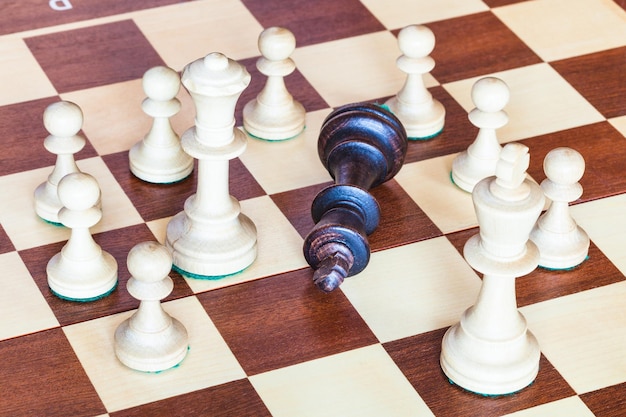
452, 181
276, 140
564, 269
426, 137
490, 395
204, 277
56, 224
168, 369
84, 300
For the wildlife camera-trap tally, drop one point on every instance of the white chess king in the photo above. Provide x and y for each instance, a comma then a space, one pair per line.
490, 351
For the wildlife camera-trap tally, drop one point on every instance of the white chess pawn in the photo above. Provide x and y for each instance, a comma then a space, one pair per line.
562, 243
82, 271
150, 340
490, 95
274, 114
490, 351
422, 115
159, 158
63, 120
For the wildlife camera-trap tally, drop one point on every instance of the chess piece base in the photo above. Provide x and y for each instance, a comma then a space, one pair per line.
421, 123
211, 251
270, 123
151, 352
159, 165
561, 250
84, 280
489, 367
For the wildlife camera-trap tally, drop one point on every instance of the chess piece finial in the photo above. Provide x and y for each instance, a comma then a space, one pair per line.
274, 114
490, 95
361, 146
150, 340
158, 157
82, 271
422, 115
63, 120
562, 243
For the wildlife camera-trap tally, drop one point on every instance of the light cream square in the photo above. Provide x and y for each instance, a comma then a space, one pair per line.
559, 29
279, 245
27, 230
363, 382
619, 123
290, 164
413, 12
209, 361
582, 335
605, 223
354, 69
541, 102
570, 406
23, 308
29, 82
206, 26
428, 183
413, 289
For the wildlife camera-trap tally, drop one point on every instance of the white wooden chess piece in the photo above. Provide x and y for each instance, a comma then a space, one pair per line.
159, 158
63, 120
562, 243
150, 340
490, 95
422, 115
274, 114
211, 238
82, 271
490, 351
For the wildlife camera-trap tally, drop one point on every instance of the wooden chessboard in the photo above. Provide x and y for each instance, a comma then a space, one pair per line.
266, 342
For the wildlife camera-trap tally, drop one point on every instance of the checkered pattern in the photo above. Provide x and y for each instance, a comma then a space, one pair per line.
266, 342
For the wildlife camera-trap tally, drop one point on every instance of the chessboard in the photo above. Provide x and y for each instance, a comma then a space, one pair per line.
266, 341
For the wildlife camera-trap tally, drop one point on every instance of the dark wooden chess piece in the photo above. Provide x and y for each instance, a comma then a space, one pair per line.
361, 145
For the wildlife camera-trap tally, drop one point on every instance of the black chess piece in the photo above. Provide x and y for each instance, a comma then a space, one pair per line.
361, 145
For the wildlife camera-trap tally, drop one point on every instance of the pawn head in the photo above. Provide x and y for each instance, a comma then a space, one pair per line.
78, 191
149, 262
564, 165
63, 119
490, 94
276, 43
416, 41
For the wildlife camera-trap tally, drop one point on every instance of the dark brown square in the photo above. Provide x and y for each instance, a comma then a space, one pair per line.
600, 144
545, 284
118, 243
23, 134
498, 3
5, 243
600, 77
318, 21
418, 358
474, 45
287, 316
155, 201
607, 402
94, 56
44, 363
233, 399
